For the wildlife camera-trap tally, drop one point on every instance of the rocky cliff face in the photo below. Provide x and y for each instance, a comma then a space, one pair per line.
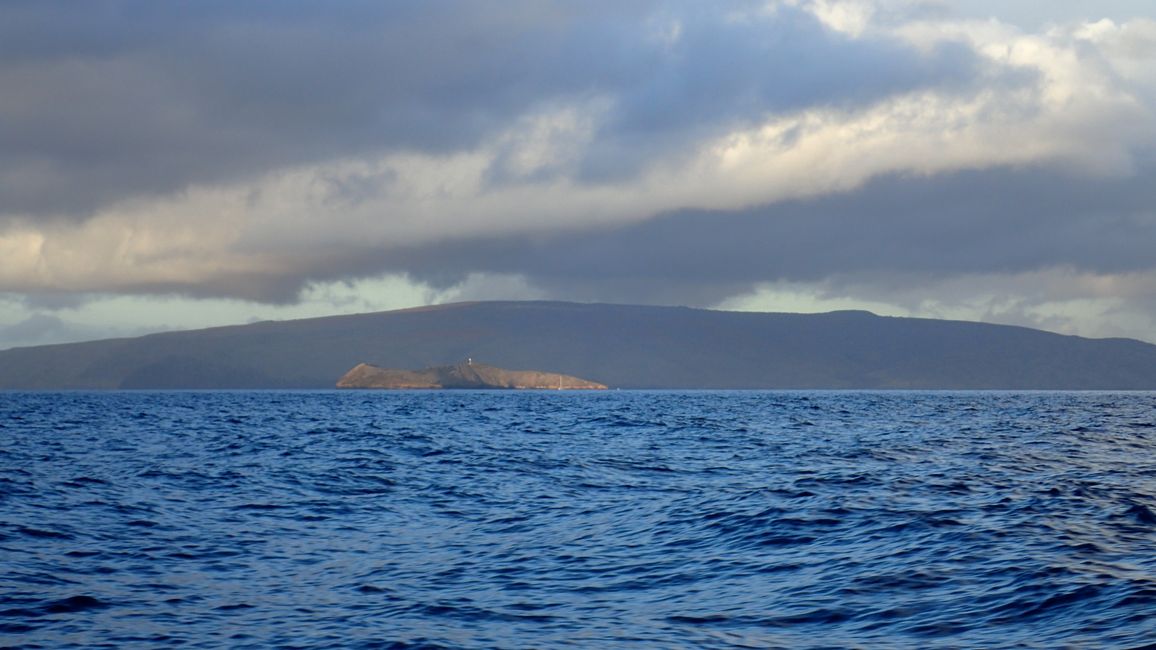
464, 375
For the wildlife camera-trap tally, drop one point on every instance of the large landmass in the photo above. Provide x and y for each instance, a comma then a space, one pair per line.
617, 345
462, 375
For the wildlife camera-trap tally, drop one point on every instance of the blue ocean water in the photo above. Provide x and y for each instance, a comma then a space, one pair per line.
584, 520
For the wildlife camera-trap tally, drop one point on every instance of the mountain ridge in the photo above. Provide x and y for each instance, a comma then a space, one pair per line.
626, 346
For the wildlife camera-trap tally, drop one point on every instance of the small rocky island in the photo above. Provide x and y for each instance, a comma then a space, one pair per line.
462, 375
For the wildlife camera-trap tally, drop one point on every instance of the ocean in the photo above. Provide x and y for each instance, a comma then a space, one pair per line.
614, 519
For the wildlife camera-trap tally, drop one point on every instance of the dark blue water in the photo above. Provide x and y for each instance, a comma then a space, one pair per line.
589, 520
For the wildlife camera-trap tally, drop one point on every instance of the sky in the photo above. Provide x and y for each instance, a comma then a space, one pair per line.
182, 165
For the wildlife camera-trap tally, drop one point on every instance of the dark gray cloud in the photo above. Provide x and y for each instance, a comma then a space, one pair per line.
596, 150
895, 228
900, 226
107, 100
721, 76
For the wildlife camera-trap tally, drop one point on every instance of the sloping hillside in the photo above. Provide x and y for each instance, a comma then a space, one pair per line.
618, 345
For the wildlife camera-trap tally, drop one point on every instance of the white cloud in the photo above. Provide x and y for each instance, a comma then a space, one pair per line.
292, 218
848, 16
97, 316
1078, 96
1061, 300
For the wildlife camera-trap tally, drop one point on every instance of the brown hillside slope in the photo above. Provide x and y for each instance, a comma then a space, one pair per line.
465, 375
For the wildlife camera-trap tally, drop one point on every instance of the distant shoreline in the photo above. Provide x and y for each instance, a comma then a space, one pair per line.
621, 346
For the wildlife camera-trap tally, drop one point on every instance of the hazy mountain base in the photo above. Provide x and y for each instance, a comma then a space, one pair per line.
617, 345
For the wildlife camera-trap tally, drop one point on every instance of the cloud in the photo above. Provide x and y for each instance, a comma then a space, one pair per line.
652, 151
120, 100
1057, 299
124, 99
43, 329
897, 228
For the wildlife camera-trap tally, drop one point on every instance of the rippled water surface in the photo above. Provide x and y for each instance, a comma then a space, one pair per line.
593, 520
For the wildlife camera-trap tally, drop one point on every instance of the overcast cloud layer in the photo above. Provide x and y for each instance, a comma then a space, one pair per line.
905, 155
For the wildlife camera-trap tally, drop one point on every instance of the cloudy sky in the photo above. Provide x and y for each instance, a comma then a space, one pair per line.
177, 165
